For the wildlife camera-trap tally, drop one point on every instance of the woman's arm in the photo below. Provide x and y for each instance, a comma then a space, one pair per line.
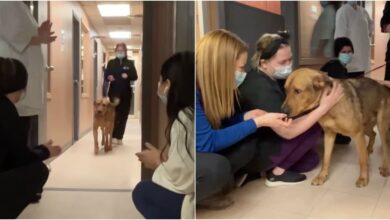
302, 124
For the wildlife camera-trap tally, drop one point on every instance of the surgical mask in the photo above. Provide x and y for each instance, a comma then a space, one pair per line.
240, 77
22, 96
345, 58
283, 72
120, 55
163, 97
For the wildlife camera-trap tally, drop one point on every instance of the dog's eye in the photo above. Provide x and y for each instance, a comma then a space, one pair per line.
297, 91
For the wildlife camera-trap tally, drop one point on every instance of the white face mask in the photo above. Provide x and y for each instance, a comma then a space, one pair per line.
282, 72
22, 96
120, 55
163, 97
240, 77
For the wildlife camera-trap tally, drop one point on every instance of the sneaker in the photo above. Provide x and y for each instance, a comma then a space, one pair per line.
114, 141
287, 178
239, 181
120, 142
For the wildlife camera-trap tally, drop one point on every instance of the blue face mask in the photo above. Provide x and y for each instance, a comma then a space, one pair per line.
345, 58
240, 77
283, 72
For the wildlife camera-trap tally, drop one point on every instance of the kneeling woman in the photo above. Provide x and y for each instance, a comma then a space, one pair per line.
284, 152
170, 194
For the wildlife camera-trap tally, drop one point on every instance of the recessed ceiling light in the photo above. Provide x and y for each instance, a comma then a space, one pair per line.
114, 10
120, 34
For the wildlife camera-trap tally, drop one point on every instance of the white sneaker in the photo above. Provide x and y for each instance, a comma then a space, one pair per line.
120, 142
115, 141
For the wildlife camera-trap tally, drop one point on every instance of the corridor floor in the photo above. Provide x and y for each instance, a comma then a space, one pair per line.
84, 185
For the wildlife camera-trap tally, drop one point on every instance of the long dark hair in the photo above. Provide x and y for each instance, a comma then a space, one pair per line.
180, 71
13, 76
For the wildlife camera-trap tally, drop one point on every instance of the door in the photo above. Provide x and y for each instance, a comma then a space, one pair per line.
76, 77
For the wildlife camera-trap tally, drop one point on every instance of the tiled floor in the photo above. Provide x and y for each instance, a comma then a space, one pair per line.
82, 185
337, 198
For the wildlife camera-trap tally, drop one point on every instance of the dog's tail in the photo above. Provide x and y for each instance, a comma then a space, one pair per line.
115, 102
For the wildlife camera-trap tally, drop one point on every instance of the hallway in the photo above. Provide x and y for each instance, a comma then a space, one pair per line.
82, 185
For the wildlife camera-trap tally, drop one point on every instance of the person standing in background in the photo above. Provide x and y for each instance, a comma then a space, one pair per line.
21, 38
120, 72
385, 28
322, 39
353, 22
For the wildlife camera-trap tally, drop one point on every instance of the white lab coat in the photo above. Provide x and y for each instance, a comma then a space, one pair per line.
357, 26
17, 26
322, 39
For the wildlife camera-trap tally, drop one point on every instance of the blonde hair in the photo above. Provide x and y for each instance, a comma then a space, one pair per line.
262, 43
216, 56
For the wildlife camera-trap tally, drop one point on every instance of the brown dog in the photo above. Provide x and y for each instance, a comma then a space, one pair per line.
365, 104
104, 116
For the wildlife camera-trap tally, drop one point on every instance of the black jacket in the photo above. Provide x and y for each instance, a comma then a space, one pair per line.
116, 67
13, 150
385, 20
259, 91
335, 69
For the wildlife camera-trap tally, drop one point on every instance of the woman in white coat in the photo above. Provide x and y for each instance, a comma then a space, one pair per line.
21, 39
353, 22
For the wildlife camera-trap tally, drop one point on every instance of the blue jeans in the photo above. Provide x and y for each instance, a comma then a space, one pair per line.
155, 202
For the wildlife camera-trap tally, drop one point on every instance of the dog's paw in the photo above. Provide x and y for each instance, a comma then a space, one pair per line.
384, 171
362, 182
369, 150
96, 151
319, 180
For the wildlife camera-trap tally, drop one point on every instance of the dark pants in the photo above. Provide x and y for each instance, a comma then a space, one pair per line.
387, 71
18, 187
214, 171
299, 154
155, 202
121, 114
30, 124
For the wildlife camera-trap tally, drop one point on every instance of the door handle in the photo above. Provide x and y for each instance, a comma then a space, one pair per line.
49, 68
76, 82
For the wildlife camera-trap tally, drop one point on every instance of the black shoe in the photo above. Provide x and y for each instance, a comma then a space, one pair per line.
287, 178
36, 198
341, 139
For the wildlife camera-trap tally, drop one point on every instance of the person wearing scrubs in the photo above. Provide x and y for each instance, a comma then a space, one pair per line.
353, 22
120, 72
283, 153
385, 28
336, 68
21, 38
322, 38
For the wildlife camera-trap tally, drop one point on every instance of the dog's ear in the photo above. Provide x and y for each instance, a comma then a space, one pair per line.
319, 81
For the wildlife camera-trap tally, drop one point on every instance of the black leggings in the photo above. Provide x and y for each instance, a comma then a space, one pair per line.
18, 186
121, 113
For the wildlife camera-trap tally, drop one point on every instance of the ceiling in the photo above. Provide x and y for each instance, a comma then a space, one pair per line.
103, 25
